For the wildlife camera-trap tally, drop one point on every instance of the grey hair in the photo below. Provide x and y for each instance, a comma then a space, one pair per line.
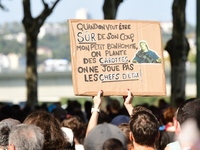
26, 137
5, 128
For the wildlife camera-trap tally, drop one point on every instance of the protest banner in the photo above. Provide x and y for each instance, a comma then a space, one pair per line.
116, 55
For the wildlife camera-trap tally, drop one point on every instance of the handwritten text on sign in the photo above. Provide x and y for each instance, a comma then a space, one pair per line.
115, 64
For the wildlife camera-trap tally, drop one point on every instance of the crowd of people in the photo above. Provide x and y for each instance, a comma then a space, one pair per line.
98, 127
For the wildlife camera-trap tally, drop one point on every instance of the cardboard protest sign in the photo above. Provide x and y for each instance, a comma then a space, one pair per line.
116, 55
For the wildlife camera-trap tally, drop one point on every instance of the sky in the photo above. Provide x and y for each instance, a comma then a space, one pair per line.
149, 10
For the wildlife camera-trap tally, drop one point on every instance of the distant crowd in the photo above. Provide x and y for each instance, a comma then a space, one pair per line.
102, 124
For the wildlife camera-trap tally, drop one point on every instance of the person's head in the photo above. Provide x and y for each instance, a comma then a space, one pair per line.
144, 46
59, 113
101, 133
114, 106
113, 144
26, 137
120, 119
168, 114
54, 136
125, 127
11, 121
5, 128
87, 107
144, 128
188, 109
163, 140
103, 117
140, 108
179, 101
69, 138
75, 124
162, 104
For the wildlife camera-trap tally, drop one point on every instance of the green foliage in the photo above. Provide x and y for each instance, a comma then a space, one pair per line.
41, 58
165, 38
150, 101
81, 100
11, 46
11, 28
59, 45
190, 29
192, 57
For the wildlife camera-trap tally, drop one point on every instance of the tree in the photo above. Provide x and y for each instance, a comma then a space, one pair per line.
178, 48
32, 27
110, 8
198, 49
2, 6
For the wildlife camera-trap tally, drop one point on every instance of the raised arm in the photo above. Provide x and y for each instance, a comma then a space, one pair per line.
95, 112
128, 102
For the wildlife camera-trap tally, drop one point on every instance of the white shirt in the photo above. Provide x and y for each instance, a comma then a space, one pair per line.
79, 147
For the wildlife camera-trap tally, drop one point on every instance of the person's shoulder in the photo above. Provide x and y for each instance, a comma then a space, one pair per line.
173, 146
167, 148
140, 51
79, 147
151, 51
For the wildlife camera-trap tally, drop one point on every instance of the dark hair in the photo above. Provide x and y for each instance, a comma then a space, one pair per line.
88, 106
113, 144
163, 140
140, 108
189, 109
68, 146
144, 127
77, 126
125, 127
54, 137
115, 105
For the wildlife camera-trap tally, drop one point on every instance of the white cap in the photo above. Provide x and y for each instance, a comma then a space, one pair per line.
69, 135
